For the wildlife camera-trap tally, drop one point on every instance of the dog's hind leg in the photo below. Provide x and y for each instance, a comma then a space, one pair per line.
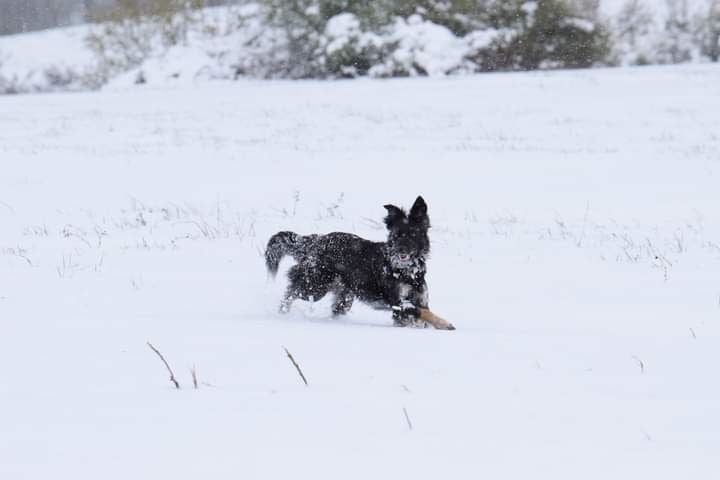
287, 301
343, 302
306, 283
294, 290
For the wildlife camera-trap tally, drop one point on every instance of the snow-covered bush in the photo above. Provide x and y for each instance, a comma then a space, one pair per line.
63, 78
348, 51
415, 46
348, 47
49, 79
338, 38
527, 35
461, 17
132, 31
220, 44
8, 84
316, 38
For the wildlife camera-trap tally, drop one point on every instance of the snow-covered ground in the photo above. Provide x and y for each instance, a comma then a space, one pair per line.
29, 61
61, 47
576, 247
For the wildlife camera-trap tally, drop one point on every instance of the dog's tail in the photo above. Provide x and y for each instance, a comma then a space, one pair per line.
280, 245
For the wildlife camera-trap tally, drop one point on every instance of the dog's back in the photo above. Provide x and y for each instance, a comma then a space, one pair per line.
335, 249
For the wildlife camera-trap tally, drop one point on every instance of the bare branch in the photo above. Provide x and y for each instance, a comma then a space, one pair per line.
172, 375
297, 367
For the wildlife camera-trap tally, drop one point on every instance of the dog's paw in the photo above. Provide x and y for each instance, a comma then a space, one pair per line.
417, 323
450, 326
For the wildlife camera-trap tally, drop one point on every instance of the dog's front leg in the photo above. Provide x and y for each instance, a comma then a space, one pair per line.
425, 314
405, 305
437, 322
412, 306
404, 316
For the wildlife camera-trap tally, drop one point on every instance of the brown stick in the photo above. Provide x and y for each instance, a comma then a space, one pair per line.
172, 375
437, 322
297, 367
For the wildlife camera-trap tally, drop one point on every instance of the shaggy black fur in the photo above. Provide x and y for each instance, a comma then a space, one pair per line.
386, 275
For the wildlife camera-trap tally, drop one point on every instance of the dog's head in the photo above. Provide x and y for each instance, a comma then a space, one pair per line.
408, 241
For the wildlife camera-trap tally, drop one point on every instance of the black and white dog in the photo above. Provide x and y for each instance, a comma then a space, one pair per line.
386, 275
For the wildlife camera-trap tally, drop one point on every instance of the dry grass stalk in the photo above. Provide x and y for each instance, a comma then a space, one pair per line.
172, 375
407, 419
297, 367
193, 372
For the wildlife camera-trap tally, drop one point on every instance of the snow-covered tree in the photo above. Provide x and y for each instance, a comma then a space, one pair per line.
542, 34
677, 42
634, 32
708, 30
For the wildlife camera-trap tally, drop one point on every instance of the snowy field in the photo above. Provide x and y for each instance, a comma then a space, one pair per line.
576, 247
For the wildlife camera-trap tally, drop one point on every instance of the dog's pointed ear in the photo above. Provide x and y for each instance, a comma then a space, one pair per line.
395, 215
419, 213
